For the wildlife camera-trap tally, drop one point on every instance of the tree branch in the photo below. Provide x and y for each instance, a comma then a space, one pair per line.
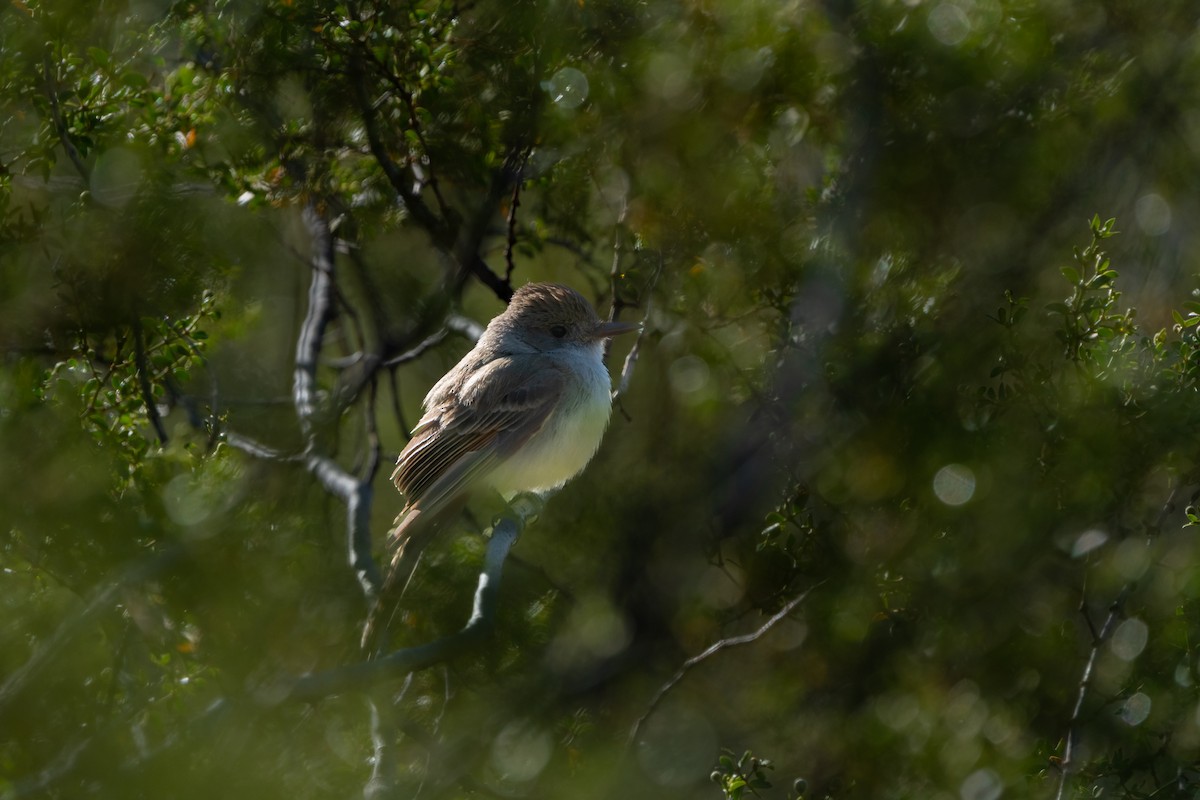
631, 357
358, 677
1085, 682
717, 647
464, 326
511, 226
414, 122
422, 347
143, 368
60, 125
320, 311
259, 450
401, 183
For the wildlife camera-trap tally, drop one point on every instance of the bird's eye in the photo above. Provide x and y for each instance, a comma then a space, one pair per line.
558, 331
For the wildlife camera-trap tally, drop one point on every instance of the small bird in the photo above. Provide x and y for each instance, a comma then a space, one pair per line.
524, 411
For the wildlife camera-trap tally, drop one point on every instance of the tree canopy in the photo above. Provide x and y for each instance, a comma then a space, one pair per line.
899, 494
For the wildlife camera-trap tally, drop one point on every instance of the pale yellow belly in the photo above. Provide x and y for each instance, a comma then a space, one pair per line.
562, 448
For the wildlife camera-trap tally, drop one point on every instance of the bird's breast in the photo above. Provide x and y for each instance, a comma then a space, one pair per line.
568, 440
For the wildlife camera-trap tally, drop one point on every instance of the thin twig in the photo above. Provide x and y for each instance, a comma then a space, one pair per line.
614, 272
447, 236
259, 450
358, 511
631, 357
143, 369
732, 641
418, 350
511, 233
394, 385
373, 445
1085, 682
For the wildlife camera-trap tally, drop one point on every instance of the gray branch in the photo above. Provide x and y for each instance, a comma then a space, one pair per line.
732, 641
1085, 682
320, 312
398, 663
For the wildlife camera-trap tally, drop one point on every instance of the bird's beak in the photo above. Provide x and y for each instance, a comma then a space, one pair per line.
606, 329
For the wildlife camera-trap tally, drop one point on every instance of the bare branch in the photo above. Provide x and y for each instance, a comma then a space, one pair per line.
320, 311
732, 641
464, 326
424, 346
511, 234
259, 450
358, 677
394, 385
358, 539
631, 357
1085, 682
475, 265
470, 234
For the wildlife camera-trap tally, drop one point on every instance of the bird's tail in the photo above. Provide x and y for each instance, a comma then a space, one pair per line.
412, 532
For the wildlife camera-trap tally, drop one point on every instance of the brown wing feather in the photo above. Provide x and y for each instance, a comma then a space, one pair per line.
473, 428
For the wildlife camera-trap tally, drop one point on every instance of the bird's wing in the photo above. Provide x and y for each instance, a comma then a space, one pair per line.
468, 433
464, 434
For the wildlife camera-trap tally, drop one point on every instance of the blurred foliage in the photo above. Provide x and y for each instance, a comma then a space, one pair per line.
896, 356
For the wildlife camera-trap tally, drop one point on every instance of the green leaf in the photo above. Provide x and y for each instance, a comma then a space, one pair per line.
1071, 274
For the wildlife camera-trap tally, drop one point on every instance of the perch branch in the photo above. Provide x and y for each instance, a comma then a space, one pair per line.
400, 662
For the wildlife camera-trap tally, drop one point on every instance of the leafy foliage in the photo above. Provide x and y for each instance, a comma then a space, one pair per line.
239, 241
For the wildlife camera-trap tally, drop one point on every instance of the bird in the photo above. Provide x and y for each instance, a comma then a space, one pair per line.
523, 411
